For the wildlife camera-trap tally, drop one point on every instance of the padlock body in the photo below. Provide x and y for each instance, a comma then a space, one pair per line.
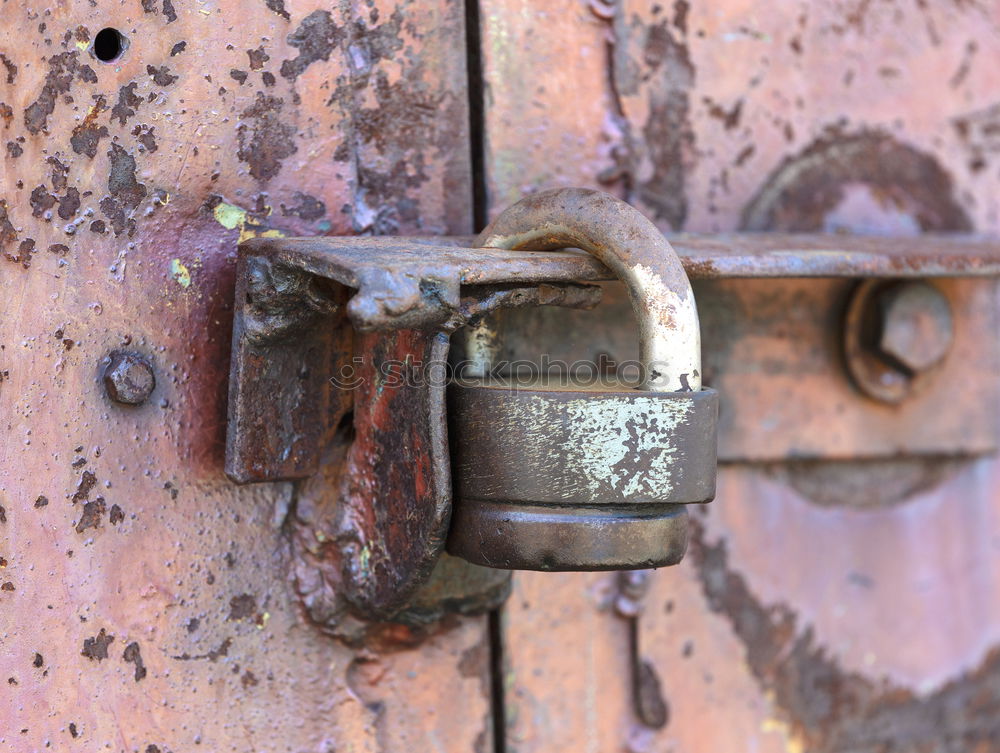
577, 479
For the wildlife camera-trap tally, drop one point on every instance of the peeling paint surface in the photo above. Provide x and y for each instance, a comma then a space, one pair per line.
226, 120
801, 627
133, 574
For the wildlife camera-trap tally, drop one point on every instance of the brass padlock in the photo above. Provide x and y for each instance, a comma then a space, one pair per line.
588, 477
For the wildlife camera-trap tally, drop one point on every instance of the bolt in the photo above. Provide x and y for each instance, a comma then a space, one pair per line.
129, 378
916, 325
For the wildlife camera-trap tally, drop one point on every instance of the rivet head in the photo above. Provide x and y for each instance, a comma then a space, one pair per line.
129, 378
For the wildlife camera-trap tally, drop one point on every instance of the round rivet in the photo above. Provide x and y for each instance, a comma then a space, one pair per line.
129, 378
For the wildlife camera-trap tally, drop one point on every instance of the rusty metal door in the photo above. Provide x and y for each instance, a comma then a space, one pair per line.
149, 604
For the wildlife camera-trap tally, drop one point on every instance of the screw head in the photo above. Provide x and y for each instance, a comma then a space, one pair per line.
129, 378
917, 326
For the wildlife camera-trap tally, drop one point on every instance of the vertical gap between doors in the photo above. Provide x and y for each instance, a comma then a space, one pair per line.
477, 146
497, 683
477, 129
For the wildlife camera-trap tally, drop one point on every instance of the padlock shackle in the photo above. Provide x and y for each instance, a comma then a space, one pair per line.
636, 251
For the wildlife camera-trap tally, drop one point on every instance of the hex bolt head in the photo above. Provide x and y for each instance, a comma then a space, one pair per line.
917, 326
129, 378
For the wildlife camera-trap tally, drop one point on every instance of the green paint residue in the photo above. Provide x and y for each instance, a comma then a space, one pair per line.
366, 555
233, 217
180, 273
229, 216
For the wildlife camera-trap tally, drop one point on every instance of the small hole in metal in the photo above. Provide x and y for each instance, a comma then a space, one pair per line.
109, 44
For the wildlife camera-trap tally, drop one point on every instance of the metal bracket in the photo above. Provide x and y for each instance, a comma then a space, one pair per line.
330, 328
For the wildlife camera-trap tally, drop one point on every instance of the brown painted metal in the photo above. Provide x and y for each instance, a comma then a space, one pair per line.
153, 605
878, 625
837, 606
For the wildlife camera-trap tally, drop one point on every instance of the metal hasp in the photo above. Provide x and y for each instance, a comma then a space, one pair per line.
338, 344
556, 477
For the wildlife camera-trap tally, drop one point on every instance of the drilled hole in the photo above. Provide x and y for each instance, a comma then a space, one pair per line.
109, 44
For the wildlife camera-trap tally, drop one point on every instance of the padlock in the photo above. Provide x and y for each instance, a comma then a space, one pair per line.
592, 477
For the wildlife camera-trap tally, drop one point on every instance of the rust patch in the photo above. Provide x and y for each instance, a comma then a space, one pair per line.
41, 501
475, 664
25, 251
127, 103
117, 515
213, 656
69, 204
91, 517
11, 69
980, 134
149, 6
664, 146
278, 6
730, 118
125, 192
133, 655
805, 188
6, 114
400, 113
87, 135
41, 201
244, 607
238, 76
178, 48
8, 234
651, 706
266, 139
829, 709
161, 76
14, 149
96, 648
374, 44
306, 207
62, 69
668, 134
87, 482
145, 136
59, 173
315, 38
257, 58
